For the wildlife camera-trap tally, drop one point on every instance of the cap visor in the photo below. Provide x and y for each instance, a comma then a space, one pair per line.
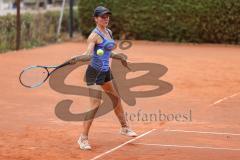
105, 12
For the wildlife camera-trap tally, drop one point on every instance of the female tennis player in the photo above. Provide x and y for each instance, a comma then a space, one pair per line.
98, 73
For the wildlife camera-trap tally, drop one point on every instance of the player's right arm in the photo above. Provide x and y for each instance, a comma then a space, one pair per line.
87, 55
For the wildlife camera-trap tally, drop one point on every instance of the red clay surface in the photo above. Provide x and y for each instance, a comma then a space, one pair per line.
200, 74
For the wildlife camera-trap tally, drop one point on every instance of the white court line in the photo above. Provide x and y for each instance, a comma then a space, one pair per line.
221, 100
234, 95
121, 145
183, 146
225, 98
202, 132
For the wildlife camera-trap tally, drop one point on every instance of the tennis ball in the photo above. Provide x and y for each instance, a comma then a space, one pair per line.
100, 52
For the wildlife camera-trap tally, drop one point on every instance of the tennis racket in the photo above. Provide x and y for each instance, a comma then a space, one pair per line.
35, 76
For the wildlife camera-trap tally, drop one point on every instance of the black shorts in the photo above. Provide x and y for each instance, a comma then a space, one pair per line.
94, 76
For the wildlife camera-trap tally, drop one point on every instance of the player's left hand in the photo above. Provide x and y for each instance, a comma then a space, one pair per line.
122, 56
125, 64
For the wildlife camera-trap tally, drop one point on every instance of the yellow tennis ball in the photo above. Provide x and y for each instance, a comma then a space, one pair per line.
100, 52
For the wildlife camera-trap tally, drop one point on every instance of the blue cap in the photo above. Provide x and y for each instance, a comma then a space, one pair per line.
100, 10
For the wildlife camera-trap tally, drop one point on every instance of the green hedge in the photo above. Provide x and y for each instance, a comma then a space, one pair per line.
198, 21
36, 29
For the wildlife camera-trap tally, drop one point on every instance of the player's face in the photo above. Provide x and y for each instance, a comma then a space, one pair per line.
103, 20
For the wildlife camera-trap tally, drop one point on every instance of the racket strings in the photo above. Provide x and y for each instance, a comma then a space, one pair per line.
34, 76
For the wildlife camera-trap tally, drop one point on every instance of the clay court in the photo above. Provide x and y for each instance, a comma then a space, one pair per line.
205, 80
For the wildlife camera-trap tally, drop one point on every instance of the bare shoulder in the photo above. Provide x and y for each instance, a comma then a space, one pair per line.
93, 37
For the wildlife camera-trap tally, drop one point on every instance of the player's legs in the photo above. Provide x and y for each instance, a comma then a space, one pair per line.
95, 93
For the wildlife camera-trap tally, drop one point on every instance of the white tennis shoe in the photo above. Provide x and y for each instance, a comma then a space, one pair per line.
83, 143
128, 132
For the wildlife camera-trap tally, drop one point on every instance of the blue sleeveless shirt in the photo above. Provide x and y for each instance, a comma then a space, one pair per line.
101, 62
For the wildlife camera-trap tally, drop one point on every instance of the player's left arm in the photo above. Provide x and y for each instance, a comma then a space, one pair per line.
120, 56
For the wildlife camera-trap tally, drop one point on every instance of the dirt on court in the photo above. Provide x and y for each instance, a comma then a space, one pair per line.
205, 81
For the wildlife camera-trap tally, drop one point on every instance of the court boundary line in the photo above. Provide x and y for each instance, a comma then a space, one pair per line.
188, 146
201, 132
121, 145
224, 98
